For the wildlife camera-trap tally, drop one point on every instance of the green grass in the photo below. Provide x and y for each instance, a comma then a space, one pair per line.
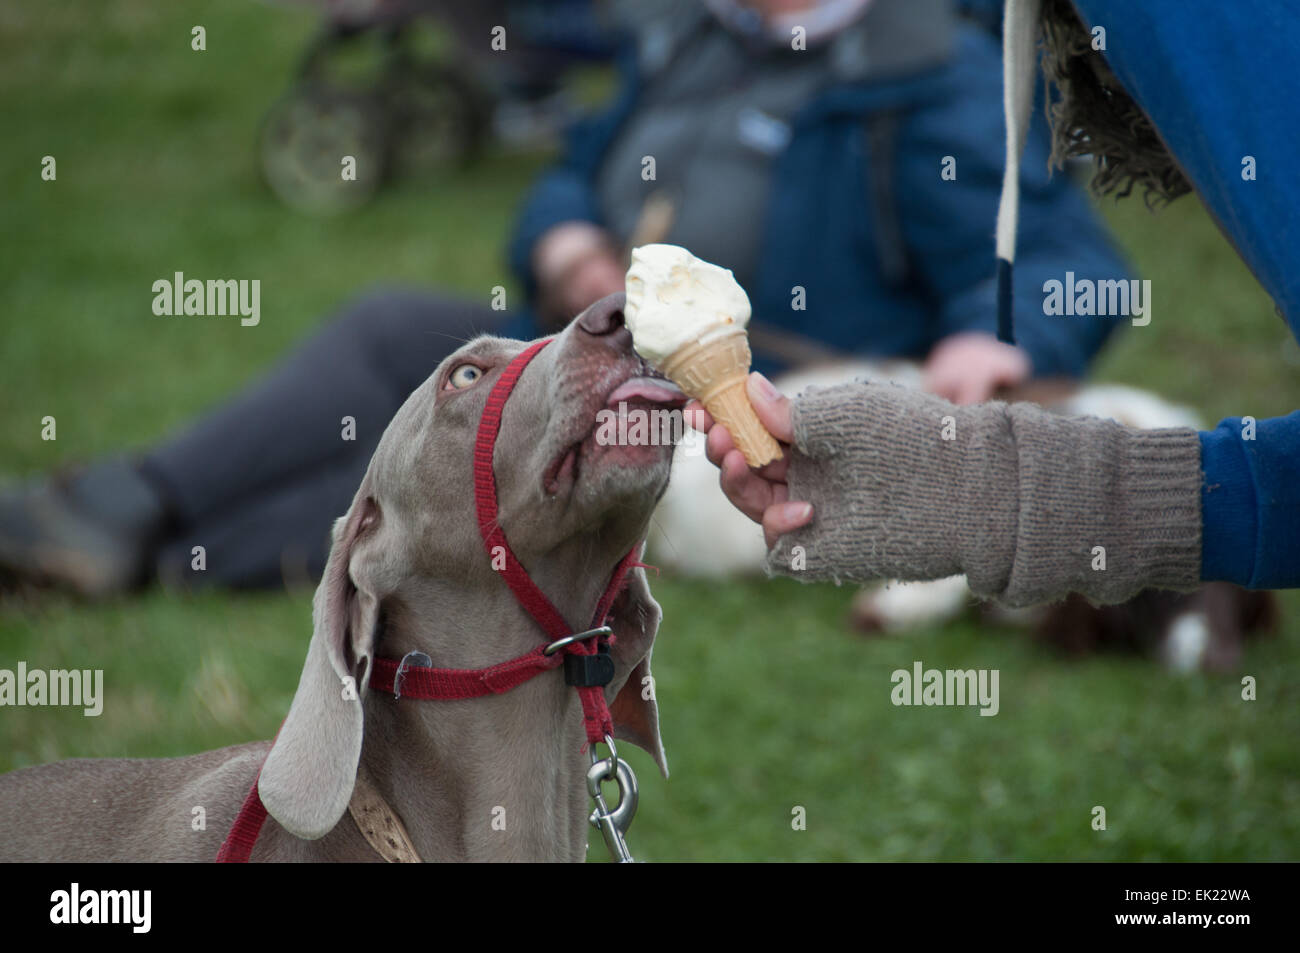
767, 702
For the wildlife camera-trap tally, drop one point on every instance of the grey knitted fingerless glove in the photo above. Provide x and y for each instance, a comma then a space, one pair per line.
907, 486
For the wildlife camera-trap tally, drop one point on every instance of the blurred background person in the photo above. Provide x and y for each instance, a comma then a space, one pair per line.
842, 158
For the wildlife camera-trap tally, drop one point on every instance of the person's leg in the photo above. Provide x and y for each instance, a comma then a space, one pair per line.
362, 366
278, 536
100, 530
86, 529
263, 514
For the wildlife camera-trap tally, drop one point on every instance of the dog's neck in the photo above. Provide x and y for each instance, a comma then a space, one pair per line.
501, 777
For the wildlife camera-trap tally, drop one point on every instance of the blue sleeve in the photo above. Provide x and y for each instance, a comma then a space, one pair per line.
946, 220
1250, 502
567, 191
1221, 84
987, 13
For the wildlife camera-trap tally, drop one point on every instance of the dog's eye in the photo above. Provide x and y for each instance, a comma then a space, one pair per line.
464, 376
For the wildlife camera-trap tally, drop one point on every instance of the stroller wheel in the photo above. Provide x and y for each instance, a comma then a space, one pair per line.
441, 119
306, 140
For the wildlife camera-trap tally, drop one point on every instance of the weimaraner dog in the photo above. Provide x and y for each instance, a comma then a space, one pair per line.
497, 778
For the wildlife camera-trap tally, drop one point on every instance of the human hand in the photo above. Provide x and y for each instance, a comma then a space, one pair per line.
576, 264
760, 494
971, 367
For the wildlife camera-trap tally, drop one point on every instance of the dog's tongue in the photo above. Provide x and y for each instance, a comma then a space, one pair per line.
652, 390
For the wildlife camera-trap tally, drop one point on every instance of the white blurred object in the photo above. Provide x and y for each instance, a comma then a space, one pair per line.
899, 607
1128, 406
695, 530
1186, 642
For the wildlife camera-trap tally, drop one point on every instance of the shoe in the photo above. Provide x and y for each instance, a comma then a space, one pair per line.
92, 531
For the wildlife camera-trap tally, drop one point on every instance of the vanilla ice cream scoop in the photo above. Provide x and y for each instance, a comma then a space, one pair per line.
674, 299
688, 319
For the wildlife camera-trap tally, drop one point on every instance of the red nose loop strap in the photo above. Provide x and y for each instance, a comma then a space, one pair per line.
530, 597
419, 682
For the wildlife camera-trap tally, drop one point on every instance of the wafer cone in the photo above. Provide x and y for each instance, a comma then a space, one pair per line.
714, 373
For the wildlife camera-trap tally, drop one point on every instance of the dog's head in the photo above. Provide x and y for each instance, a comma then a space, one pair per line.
573, 500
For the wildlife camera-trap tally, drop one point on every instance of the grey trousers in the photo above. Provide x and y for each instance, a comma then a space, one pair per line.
258, 482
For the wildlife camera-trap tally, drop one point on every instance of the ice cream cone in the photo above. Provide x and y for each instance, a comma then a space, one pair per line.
713, 371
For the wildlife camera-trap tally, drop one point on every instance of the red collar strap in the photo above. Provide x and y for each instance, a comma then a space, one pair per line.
586, 665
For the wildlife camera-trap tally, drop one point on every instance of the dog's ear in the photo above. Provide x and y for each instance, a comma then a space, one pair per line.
308, 777
634, 619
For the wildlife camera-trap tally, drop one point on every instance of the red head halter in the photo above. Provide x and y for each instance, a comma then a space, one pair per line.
435, 683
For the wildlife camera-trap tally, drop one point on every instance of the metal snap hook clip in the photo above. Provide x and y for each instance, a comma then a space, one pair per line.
613, 824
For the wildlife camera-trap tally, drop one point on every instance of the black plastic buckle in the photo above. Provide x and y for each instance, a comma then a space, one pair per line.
589, 671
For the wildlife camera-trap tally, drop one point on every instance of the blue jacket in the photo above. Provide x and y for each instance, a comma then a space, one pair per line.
1221, 83
892, 256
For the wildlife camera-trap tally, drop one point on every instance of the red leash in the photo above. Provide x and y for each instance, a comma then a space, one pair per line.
426, 683
238, 845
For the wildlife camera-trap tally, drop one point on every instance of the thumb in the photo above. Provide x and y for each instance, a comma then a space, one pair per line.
772, 407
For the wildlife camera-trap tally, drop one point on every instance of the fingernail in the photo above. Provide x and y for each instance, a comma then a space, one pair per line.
798, 511
764, 387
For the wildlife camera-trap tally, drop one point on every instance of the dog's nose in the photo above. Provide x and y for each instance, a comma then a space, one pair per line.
604, 320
